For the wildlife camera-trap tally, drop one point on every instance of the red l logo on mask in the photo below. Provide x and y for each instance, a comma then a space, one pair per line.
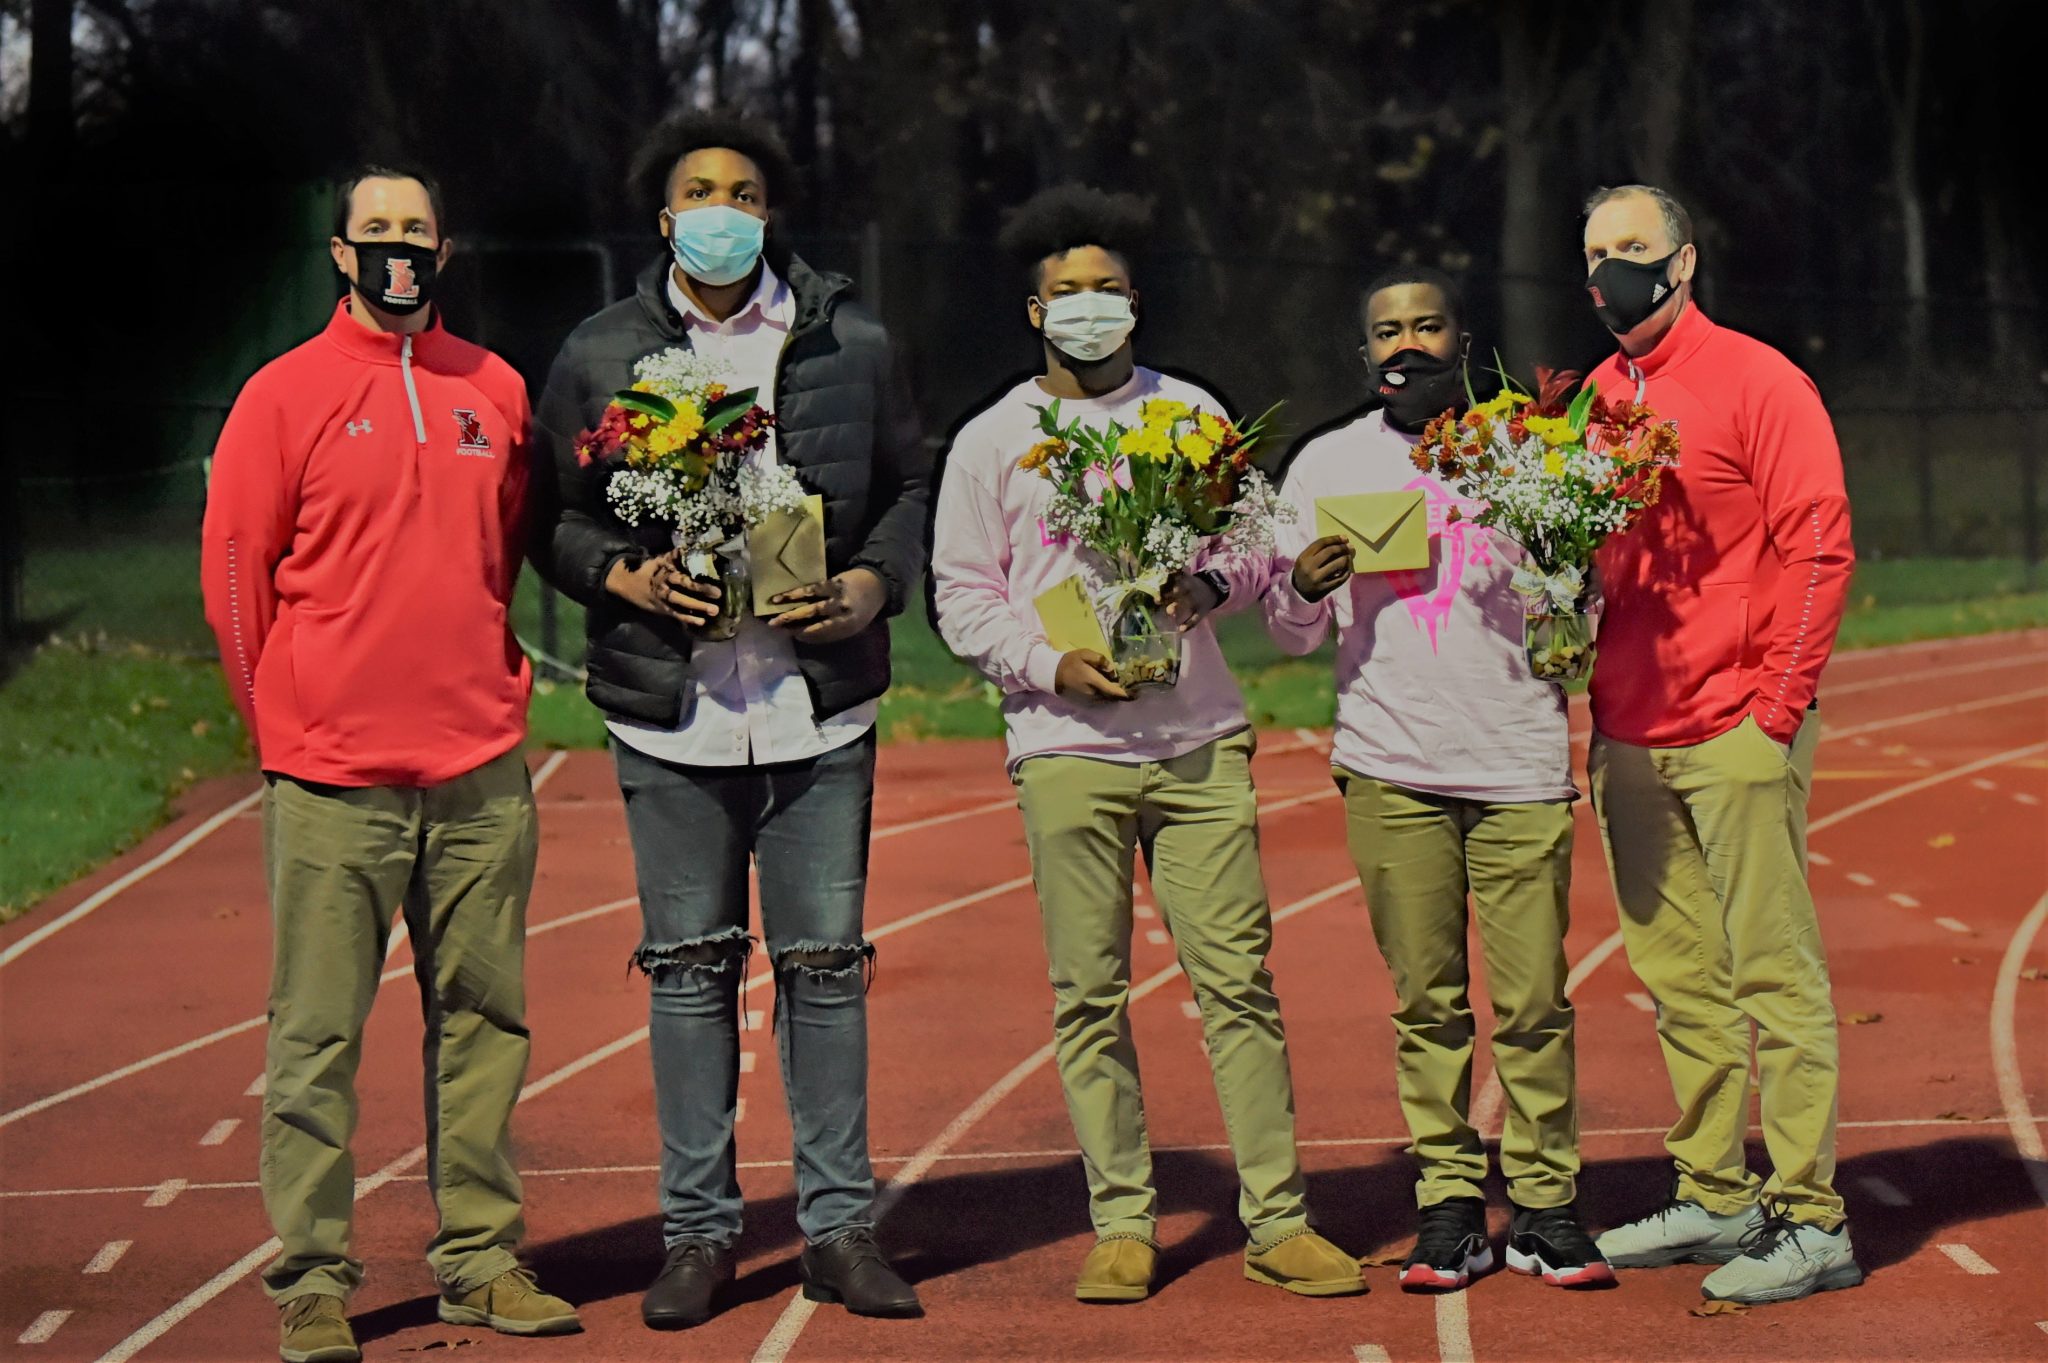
403, 284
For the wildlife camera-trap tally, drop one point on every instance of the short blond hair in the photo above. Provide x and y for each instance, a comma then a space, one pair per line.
1677, 222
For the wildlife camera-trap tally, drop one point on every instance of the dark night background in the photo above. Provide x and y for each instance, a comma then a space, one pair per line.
1857, 169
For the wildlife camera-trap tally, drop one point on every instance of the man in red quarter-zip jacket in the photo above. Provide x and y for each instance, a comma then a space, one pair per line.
364, 528
1722, 606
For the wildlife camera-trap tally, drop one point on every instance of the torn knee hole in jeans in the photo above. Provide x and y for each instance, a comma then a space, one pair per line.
827, 960
713, 954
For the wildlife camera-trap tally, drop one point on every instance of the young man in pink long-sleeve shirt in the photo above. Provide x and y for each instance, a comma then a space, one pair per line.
1455, 766
1722, 606
1102, 772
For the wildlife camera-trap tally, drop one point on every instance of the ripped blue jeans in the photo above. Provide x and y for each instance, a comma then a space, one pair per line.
804, 826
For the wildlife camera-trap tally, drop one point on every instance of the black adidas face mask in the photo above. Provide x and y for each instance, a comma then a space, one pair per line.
1626, 292
1416, 387
396, 276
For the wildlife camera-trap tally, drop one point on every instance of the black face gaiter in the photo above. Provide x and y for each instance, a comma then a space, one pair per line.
396, 276
1626, 292
1416, 387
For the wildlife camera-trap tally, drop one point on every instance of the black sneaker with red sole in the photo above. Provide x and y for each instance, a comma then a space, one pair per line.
1450, 1248
1552, 1244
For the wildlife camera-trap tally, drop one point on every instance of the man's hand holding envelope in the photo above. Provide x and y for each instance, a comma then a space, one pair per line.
1388, 531
786, 554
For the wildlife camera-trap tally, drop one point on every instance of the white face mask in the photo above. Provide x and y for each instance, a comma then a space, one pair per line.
1089, 326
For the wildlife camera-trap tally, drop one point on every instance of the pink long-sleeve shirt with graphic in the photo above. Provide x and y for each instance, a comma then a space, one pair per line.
992, 558
1434, 691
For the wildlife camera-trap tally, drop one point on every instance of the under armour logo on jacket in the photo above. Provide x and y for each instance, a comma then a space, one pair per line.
359, 427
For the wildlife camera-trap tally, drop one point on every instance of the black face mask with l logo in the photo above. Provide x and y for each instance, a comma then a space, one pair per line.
396, 276
1416, 387
1626, 292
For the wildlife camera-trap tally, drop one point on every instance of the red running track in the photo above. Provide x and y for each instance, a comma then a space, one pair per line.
130, 1040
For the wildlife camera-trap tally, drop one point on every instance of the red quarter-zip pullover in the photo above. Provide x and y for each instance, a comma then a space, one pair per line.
364, 527
1723, 601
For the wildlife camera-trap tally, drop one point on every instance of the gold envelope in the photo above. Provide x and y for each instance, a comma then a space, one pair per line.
1388, 531
786, 551
1070, 620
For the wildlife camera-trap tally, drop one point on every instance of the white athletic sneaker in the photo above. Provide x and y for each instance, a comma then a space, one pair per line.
1680, 1232
1784, 1262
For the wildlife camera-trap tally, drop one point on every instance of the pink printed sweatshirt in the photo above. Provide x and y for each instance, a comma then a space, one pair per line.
1434, 691
992, 557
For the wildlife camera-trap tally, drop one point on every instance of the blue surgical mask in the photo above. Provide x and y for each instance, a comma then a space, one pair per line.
716, 244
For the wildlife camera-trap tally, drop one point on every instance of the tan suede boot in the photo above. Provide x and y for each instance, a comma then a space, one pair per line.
314, 1329
1118, 1269
1305, 1264
512, 1304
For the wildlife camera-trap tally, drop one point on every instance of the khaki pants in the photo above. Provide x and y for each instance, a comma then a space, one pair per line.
1419, 856
457, 859
1708, 849
1196, 819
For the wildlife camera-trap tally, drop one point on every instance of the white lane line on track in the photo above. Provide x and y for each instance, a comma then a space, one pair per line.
255, 1088
141, 873
1955, 925
109, 1255
1884, 1190
1929, 674
1818, 860
1904, 901
165, 1193
1190, 1009
1968, 1260
218, 1133
2024, 798
1941, 712
789, 1327
1982, 784
1641, 1001
1157, 936
1000, 1156
2005, 1061
1368, 1353
1997, 759
746, 1062
1858, 878
43, 1327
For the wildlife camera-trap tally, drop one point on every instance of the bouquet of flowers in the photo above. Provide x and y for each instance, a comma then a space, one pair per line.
1557, 478
677, 443
1146, 501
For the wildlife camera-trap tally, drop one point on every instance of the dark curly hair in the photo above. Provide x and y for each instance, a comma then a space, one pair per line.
1454, 297
681, 133
1054, 221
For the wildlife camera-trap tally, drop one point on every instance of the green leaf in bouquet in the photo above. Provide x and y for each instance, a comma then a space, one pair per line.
727, 410
653, 404
1581, 407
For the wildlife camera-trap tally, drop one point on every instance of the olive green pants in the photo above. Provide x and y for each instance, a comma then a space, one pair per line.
1421, 857
457, 859
1707, 845
1196, 819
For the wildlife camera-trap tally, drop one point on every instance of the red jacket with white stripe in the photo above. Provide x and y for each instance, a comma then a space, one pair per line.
365, 521
1724, 600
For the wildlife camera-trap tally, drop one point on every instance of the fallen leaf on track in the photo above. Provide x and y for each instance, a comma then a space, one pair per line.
2031, 973
1964, 960
1942, 840
1390, 1260
1719, 1308
1858, 1019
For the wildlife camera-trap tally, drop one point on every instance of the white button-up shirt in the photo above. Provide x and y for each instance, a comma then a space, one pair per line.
748, 701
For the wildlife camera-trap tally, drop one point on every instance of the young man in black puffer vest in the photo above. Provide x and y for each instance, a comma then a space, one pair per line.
759, 747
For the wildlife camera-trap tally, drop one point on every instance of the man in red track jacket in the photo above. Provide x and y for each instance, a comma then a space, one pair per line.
1722, 606
364, 527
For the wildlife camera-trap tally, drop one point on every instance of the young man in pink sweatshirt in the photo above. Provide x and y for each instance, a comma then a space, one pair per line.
1102, 772
1722, 606
1455, 767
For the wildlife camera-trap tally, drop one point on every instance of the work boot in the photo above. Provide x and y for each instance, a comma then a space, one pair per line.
1119, 1268
314, 1329
512, 1304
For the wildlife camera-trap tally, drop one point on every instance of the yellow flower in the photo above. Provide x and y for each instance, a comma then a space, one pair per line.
1043, 453
1501, 403
1212, 426
1153, 442
1198, 448
1553, 464
1554, 430
1163, 411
